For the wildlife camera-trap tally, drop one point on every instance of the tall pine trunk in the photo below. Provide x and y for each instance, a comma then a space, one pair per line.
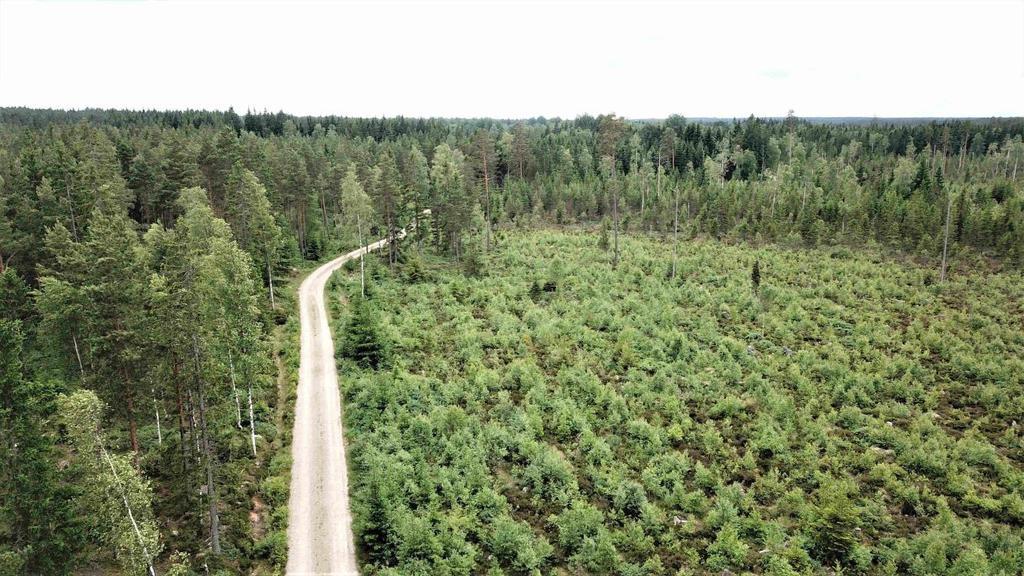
270, 282
487, 205
675, 233
945, 239
211, 488
132, 427
362, 267
234, 390
615, 219
181, 419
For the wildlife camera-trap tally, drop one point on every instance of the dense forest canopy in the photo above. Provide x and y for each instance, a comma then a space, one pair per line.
141, 255
777, 180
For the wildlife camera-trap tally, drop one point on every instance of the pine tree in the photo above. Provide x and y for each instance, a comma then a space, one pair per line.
205, 303
484, 160
203, 244
452, 207
249, 214
417, 186
149, 186
389, 193
520, 151
97, 285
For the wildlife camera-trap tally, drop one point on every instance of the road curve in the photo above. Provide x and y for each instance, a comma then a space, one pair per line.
319, 519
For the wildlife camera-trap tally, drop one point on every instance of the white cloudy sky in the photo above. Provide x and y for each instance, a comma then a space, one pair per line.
519, 59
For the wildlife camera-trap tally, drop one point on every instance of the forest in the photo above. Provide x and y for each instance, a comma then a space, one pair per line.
614, 347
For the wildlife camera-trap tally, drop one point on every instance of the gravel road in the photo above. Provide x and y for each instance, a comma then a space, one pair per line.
319, 520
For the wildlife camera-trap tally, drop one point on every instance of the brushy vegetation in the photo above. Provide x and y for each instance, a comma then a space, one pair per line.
555, 415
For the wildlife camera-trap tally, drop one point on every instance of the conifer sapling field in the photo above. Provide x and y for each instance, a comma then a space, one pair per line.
554, 413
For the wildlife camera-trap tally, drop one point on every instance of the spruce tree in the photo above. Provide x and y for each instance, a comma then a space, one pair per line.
39, 531
362, 341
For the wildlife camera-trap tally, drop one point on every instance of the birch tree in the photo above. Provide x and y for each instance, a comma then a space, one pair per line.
116, 495
357, 211
209, 304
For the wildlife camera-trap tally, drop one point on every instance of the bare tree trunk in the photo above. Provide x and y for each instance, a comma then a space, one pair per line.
252, 421
131, 516
675, 233
643, 201
657, 190
156, 409
945, 239
234, 391
132, 428
78, 355
963, 152
270, 280
211, 488
323, 211
192, 425
416, 227
615, 218
181, 419
362, 267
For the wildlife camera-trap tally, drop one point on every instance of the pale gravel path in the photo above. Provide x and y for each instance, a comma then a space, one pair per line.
319, 519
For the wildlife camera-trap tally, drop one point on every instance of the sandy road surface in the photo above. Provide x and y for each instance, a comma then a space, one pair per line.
319, 520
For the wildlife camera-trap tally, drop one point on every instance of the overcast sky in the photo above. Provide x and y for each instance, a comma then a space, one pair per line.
519, 59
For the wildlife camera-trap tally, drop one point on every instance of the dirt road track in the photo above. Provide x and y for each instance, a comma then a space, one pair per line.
319, 520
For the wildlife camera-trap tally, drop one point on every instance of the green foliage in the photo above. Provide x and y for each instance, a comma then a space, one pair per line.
117, 498
727, 551
833, 523
576, 524
38, 529
362, 341
179, 565
603, 242
516, 547
641, 425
